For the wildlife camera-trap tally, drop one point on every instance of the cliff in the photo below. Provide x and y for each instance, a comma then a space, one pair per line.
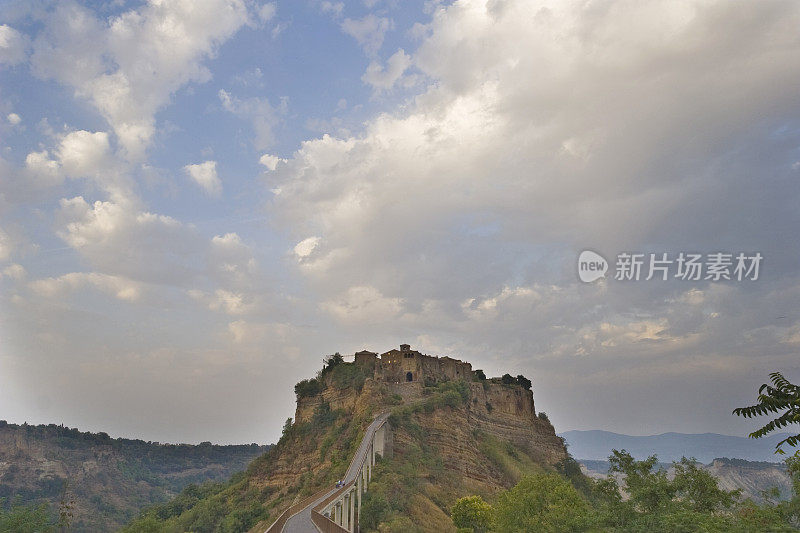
448, 438
108, 480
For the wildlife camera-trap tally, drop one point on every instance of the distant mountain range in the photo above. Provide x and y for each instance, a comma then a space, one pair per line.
705, 447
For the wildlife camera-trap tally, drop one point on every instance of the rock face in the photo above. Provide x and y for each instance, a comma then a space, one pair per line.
751, 477
451, 433
109, 480
494, 411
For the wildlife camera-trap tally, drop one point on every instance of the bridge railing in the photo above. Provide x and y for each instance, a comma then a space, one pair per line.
277, 525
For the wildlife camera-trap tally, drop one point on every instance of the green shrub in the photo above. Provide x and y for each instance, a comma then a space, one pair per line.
308, 388
471, 512
348, 375
374, 510
543, 503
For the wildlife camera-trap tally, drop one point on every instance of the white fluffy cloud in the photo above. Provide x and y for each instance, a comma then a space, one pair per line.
81, 154
384, 78
129, 66
364, 305
306, 247
258, 111
271, 161
119, 239
13, 45
546, 129
534, 130
13, 119
119, 287
369, 31
205, 176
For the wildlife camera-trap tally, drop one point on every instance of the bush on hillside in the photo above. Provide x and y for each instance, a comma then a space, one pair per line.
308, 388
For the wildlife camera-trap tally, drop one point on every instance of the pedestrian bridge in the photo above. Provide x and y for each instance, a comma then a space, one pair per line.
337, 510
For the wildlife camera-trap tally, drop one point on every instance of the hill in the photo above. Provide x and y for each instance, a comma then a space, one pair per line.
705, 447
753, 478
452, 433
109, 480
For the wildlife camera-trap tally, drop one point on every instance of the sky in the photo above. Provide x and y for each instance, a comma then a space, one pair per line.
199, 200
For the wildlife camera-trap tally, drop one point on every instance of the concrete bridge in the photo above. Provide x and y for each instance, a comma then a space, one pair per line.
337, 510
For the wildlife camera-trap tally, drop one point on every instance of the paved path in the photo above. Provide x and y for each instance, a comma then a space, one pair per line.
301, 522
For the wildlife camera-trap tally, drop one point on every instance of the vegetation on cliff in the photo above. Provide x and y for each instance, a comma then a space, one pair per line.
311, 454
107, 480
639, 498
432, 465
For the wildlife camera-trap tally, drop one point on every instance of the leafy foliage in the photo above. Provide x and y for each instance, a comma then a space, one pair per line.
783, 398
524, 382
308, 388
472, 512
22, 518
544, 502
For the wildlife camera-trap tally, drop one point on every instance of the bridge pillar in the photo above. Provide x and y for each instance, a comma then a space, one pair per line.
379, 440
345, 512
352, 523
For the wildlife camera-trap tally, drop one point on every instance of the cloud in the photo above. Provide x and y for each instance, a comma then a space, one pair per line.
271, 161
44, 170
116, 286
205, 175
267, 11
368, 31
119, 239
306, 247
383, 79
15, 271
6, 245
83, 153
363, 305
333, 8
13, 46
232, 262
258, 112
545, 130
130, 65
13, 119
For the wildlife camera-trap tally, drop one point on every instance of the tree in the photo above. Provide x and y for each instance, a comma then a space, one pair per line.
374, 510
332, 361
507, 379
307, 388
781, 397
287, 427
699, 489
26, 518
472, 512
480, 375
650, 491
543, 503
524, 382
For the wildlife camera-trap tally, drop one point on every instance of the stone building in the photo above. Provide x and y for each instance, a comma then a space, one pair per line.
407, 365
